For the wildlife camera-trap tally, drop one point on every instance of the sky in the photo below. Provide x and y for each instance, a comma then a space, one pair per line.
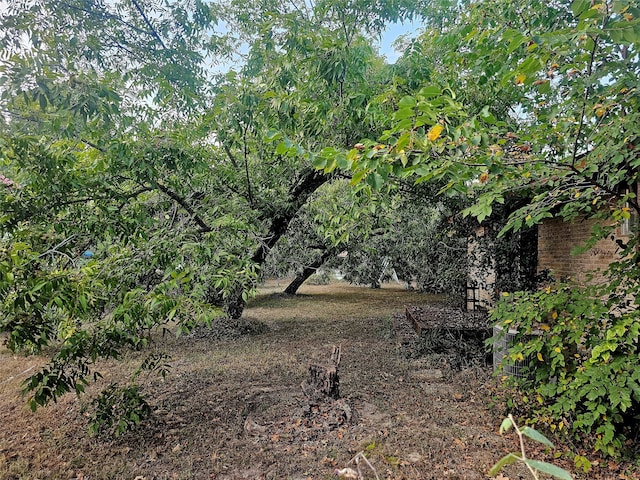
392, 33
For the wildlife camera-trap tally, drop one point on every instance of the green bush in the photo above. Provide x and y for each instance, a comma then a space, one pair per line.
583, 351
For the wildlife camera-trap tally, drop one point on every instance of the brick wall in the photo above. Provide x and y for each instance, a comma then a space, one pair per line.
556, 239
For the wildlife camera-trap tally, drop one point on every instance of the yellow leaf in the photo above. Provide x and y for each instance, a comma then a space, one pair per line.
628, 17
545, 327
435, 132
540, 357
520, 79
554, 315
495, 149
557, 350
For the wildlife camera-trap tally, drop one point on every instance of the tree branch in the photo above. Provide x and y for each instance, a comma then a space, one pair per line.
104, 15
587, 92
246, 165
232, 159
146, 20
204, 228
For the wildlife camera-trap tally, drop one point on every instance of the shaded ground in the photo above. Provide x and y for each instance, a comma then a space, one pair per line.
233, 408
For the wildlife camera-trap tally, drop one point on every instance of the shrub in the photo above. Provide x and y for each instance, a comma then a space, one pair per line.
583, 351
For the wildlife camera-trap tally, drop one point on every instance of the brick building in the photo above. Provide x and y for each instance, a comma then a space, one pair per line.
549, 248
557, 239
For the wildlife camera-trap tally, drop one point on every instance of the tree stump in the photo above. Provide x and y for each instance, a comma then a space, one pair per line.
323, 381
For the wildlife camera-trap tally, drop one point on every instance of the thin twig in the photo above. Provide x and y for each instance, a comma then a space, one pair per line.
204, 228
587, 92
356, 460
61, 244
522, 450
18, 375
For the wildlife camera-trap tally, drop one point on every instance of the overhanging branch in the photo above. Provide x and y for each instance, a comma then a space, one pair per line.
204, 228
146, 20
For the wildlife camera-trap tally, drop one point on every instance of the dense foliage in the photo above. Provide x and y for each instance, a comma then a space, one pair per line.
536, 104
140, 190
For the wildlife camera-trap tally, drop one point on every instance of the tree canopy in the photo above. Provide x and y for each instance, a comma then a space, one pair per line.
537, 102
142, 190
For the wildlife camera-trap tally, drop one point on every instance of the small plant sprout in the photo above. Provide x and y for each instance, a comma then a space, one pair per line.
535, 466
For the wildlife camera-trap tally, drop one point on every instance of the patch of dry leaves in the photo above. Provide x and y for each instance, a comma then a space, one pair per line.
232, 407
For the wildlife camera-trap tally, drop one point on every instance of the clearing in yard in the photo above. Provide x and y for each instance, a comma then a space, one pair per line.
232, 405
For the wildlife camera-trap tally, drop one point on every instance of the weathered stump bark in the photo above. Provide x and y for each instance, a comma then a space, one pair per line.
323, 381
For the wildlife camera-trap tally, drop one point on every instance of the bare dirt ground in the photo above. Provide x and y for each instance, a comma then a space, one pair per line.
233, 407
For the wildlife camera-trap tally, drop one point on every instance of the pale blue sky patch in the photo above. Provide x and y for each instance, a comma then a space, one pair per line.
392, 33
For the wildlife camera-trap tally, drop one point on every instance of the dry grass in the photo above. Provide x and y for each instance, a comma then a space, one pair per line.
232, 408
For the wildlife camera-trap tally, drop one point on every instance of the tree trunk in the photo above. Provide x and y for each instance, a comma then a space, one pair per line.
308, 182
308, 270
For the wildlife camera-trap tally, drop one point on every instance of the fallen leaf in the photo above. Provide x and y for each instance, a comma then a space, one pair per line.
414, 457
346, 473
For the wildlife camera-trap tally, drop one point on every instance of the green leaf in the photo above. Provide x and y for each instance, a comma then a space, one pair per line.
273, 135
505, 425
281, 149
549, 469
487, 116
407, 102
403, 141
537, 436
375, 180
357, 177
579, 6
508, 459
431, 91
403, 113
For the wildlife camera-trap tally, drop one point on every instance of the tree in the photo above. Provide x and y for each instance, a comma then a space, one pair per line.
416, 237
146, 191
558, 129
